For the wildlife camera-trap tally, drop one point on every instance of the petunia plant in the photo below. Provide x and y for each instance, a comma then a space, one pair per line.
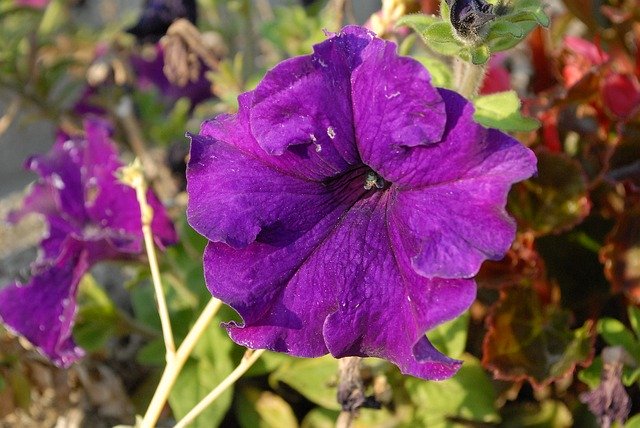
377, 218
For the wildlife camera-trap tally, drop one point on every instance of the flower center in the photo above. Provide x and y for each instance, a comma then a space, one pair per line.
373, 180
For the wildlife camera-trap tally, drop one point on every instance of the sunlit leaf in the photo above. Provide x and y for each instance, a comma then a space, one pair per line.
616, 334
450, 338
502, 110
527, 340
468, 395
314, 378
263, 409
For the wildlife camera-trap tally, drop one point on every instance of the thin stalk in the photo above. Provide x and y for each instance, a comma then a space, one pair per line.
134, 177
250, 357
173, 368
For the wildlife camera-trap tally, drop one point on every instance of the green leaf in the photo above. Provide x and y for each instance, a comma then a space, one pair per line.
502, 111
480, 54
97, 318
450, 338
592, 374
468, 395
263, 409
320, 418
439, 37
527, 340
439, 71
196, 380
548, 414
616, 334
211, 362
634, 422
634, 320
275, 412
315, 378
419, 22
630, 375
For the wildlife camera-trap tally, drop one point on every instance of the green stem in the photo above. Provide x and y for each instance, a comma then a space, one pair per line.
173, 367
249, 358
468, 77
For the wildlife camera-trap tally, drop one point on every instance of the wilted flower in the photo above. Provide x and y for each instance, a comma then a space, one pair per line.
347, 204
91, 217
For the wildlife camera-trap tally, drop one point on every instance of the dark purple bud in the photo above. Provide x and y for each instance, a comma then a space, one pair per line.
158, 15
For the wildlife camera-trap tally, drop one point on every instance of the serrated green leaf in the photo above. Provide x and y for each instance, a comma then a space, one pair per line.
450, 338
315, 378
616, 334
502, 111
468, 395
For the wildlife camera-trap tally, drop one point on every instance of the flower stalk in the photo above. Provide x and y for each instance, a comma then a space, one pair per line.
173, 367
134, 177
250, 357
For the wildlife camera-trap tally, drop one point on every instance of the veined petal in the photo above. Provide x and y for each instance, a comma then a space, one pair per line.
235, 196
395, 108
306, 101
348, 289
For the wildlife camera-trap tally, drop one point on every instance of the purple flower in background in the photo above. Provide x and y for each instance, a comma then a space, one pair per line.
347, 204
91, 217
149, 70
36, 4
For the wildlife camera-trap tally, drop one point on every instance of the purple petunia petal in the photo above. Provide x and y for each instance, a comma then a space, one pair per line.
43, 310
457, 214
306, 101
395, 107
330, 291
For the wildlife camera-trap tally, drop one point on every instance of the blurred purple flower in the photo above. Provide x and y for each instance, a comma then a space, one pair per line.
149, 70
91, 217
347, 204
36, 4
158, 15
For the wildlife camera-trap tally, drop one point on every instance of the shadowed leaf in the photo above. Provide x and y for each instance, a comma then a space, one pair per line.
553, 201
529, 341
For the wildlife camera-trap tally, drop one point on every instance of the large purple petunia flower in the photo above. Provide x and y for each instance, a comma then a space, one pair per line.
347, 204
91, 217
